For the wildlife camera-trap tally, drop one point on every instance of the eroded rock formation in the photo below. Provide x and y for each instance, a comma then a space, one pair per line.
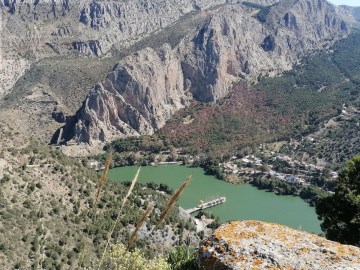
137, 97
230, 44
31, 30
259, 245
226, 42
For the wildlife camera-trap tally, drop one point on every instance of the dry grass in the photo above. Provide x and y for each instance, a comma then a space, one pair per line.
172, 202
103, 178
133, 182
139, 225
147, 213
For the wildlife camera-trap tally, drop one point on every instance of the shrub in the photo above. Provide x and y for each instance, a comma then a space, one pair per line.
182, 258
118, 258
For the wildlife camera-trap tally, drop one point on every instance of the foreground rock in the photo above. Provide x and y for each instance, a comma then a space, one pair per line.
260, 245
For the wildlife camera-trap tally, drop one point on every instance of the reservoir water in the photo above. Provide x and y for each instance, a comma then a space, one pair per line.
244, 202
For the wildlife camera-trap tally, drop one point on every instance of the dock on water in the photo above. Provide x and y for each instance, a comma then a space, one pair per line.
206, 205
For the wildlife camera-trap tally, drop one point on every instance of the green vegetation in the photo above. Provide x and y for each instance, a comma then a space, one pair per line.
53, 224
310, 194
278, 108
340, 212
182, 258
210, 164
138, 151
120, 259
78, 74
335, 144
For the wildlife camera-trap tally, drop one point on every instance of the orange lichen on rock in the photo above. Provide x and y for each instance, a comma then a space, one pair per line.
304, 250
257, 262
260, 245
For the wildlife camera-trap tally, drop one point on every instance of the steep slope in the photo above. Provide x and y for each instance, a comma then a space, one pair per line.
53, 52
278, 108
129, 104
50, 218
231, 44
32, 30
351, 13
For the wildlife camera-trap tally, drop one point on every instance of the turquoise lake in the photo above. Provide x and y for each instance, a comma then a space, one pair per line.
244, 202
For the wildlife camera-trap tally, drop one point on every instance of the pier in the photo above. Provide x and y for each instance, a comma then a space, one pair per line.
206, 205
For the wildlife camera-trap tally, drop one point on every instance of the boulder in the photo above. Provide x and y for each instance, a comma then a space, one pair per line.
260, 245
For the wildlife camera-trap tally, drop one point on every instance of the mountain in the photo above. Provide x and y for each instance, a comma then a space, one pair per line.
214, 74
65, 68
230, 43
351, 12
33, 30
54, 52
282, 108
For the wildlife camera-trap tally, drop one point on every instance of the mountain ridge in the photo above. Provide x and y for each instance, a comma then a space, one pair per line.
211, 59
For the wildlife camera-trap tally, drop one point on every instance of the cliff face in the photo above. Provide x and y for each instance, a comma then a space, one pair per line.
260, 245
137, 97
31, 30
231, 43
226, 41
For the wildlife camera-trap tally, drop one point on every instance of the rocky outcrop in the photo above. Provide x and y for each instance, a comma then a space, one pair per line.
230, 44
227, 43
32, 30
58, 115
89, 22
260, 245
136, 98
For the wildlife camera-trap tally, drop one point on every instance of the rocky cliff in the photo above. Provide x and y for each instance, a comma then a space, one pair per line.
232, 42
31, 30
65, 47
136, 98
260, 245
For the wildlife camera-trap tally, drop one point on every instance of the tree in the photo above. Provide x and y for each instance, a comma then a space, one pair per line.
340, 212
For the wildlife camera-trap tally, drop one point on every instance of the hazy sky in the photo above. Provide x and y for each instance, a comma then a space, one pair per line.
346, 2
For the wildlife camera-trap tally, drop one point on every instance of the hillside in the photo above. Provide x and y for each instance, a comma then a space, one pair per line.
202, 82
277, 108
49, 216
340, 133
194, 53
53, 53
145, 89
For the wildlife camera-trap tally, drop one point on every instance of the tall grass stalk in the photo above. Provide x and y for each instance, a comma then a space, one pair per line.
139, 225
133, 182
103, 178
172, 202
101, 182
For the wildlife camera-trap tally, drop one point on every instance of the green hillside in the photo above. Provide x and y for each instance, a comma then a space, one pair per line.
277, 108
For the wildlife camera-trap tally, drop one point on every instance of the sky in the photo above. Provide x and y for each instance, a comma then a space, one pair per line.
346, 2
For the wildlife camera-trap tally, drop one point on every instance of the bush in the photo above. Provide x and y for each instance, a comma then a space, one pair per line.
118, 258
182, 258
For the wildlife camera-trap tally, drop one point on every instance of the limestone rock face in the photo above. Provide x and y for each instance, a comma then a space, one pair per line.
260, 245
33, 29
228, 41
140, 94
230, 44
